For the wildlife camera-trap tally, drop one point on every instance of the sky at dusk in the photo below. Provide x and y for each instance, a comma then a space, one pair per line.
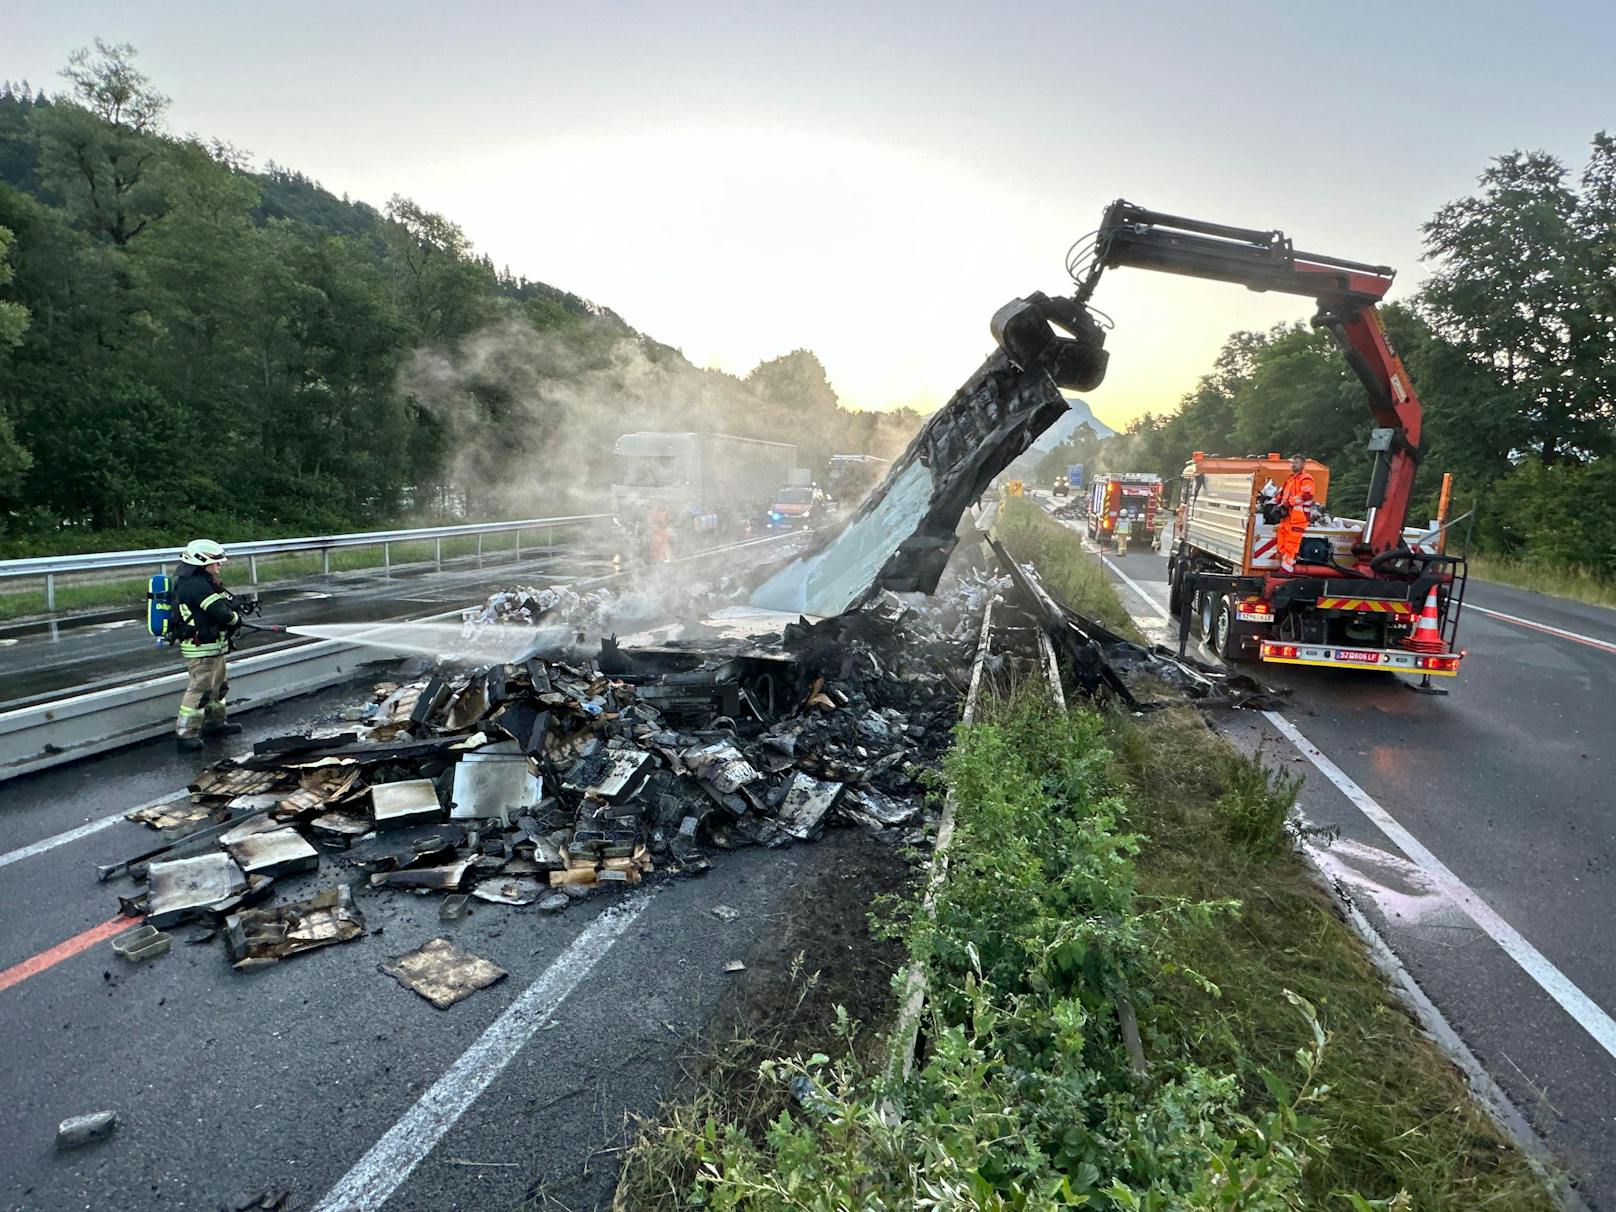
872, 181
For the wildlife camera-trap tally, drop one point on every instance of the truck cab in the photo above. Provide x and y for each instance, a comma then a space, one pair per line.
795, 506
1123, 504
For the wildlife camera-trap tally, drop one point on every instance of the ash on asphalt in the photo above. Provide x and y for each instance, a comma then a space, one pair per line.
812, 951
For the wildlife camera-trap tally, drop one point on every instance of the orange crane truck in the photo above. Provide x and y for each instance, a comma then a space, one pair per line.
1362, 594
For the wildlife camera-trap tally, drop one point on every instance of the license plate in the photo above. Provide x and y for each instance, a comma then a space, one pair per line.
1358, 655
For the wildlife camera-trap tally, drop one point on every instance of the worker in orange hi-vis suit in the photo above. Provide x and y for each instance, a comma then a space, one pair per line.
1296, 500
661, 540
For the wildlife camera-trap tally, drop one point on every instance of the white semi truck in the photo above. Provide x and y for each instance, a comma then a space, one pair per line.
705, 481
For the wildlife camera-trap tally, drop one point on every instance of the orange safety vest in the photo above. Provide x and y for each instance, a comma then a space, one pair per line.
1297, 491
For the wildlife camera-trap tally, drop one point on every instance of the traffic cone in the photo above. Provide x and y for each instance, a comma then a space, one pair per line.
1427, 635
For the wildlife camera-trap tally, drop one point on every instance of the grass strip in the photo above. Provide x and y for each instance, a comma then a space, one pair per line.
1106, 868
1578, 583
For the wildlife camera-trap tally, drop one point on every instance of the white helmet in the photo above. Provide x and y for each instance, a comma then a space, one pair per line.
203, 552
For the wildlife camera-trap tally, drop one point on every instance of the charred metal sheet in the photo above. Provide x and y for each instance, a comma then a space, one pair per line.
612, 774
398, 805
227, 783
253, 824
902, 536
876, 810
255, 937
186, 887
274, 852
285, 746
494, 783
510, 890
447, 878
421, 844
443, 973
170, 816
720, 766
808, 801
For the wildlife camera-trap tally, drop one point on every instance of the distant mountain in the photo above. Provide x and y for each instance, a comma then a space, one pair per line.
1064, 428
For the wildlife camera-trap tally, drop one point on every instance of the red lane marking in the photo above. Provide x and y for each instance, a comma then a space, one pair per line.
18, 973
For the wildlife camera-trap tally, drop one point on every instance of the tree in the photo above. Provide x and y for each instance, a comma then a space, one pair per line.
1523, 289
14, 318
100, 151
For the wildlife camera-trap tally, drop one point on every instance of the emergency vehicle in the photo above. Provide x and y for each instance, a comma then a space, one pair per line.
1123, 505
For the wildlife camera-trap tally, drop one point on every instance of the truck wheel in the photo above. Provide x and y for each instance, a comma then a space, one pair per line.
1230, 637
1206, 613
1223, 629
1175, 589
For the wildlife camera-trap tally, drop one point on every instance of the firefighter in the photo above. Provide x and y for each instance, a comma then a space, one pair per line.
204, 621
661, 544
1297, 508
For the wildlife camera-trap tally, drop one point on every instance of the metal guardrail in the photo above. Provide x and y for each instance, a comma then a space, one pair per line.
50, 567
41, 735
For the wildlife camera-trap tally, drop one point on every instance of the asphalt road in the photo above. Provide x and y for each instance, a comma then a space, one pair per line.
39, 658
321, 1075
1506, 784
229, 1085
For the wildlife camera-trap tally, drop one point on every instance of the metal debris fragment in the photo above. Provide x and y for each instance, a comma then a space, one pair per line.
255, 937
274, 852
442, 973
82, 1130
143, 942
185, 887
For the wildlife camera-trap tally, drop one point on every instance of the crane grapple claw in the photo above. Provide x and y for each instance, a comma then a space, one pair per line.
1026, 330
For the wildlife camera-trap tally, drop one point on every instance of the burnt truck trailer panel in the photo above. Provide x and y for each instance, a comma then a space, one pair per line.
705, 481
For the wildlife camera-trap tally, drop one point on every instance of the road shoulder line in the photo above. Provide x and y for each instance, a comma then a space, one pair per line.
390, 1161
83, 831
1577, 637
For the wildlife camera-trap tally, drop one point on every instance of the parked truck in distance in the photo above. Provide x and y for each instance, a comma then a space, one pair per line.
706, 482
1123, 505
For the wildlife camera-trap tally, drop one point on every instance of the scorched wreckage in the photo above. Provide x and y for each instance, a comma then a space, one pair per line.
588, 764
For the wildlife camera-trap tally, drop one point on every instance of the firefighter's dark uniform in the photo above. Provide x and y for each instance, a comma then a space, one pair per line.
203, 618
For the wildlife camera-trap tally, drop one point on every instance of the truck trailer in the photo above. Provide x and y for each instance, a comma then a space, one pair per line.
708, 482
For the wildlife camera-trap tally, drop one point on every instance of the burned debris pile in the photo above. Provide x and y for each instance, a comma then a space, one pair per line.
546, 780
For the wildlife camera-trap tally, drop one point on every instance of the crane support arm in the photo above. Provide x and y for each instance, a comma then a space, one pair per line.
1346, 293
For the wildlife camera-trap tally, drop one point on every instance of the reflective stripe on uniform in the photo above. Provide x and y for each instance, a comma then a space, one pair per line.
189, 650
214, 597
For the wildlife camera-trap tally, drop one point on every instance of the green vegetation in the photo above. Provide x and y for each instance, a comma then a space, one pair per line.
1578, 582
1105, 865
1067, 571
1511, 345
189, 344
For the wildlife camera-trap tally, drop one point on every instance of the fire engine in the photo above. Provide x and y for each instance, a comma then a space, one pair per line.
1123, 507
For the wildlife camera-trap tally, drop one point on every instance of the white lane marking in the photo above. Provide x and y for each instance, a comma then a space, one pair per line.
380, 1172
1135, 586
1533, 962
73, 835
1589, 1015
1603, 645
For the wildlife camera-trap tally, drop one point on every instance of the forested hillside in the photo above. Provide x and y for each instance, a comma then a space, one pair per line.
190, 343
1511, 345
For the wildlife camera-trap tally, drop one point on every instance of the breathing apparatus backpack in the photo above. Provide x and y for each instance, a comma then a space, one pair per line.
160, 608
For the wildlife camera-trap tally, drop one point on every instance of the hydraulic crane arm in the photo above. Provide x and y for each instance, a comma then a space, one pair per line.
1346, 292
